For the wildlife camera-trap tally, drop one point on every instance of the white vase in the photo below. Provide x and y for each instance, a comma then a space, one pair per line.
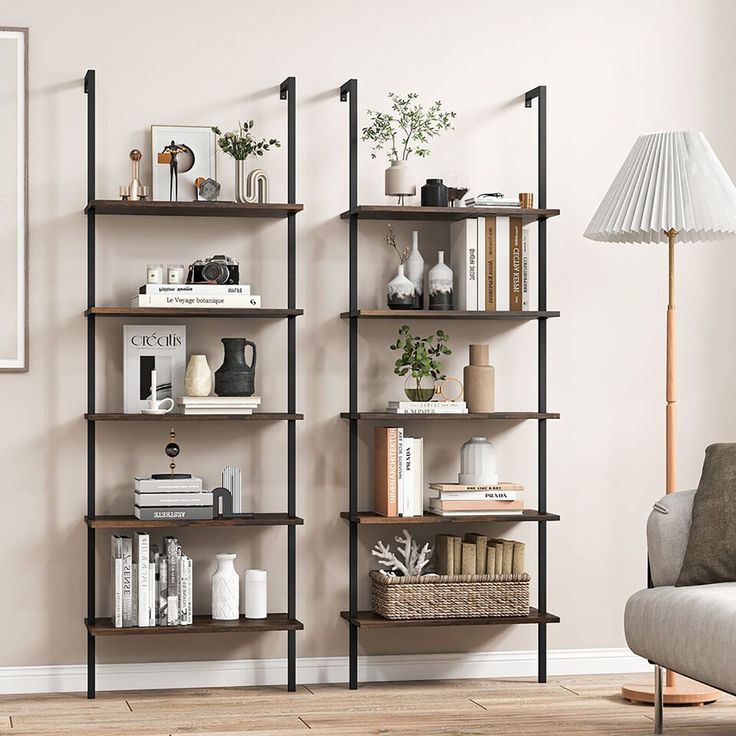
400, 291
225, 589
440, 284
477, 463
399, 178
414, 269
256, 594
198, 377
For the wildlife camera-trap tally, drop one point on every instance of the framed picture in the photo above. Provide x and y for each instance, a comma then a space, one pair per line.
180, 154
14, 199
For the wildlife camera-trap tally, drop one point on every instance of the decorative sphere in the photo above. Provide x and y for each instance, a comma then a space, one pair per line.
135, 155
172, 449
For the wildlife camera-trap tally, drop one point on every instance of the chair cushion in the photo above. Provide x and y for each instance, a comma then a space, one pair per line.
710, 556
688, 630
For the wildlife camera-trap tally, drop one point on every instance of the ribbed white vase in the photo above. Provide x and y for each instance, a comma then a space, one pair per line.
225, 589
198, 377
477, 463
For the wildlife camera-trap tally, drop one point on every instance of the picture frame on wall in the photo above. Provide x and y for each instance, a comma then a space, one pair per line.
14, 199
180, 154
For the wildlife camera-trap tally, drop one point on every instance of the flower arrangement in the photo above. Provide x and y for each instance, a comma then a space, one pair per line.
241, 143
407, 128
390, 239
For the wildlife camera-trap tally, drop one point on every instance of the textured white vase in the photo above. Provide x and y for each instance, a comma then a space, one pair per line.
198, 377
399, 178
477, 463
414, 269
225, 589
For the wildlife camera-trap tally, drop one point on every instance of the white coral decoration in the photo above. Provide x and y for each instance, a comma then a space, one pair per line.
414, 559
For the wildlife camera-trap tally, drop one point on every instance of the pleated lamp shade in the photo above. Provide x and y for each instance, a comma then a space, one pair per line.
669, 180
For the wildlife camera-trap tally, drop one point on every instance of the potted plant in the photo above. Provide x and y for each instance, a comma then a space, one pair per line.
419, 361
402, 132
239, 144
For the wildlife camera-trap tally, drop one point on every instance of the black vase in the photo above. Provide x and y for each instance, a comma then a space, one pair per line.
235, 377
434, 194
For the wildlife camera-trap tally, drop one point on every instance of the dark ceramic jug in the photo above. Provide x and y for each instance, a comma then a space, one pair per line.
235, 377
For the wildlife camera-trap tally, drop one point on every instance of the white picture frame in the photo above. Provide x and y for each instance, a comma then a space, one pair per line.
202, 152
14, 199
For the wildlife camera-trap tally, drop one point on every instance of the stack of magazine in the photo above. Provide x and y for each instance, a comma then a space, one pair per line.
151, 585
171, 497
456, 499
427, 407
234, 296
234, 405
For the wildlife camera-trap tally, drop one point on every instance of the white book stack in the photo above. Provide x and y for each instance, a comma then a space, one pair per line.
232, 405
427, 407
236, 296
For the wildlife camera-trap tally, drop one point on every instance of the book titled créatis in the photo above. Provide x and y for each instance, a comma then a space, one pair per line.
181, 513
202, 289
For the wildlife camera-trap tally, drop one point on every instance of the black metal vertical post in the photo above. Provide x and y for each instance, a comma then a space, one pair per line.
349, 92
89, 88
288, 92
540, 93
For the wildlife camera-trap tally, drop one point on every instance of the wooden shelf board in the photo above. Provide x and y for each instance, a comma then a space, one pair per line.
191, 209
262, 416
368, 619
438, 314
201, 625
126, 521
382, 416
444, 214
372, 518
180, 312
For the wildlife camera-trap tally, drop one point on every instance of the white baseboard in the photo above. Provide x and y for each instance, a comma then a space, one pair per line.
242, 672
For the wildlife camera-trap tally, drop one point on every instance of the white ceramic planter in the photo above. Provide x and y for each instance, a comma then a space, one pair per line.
477, 463
225, 589
198, 377
399, 180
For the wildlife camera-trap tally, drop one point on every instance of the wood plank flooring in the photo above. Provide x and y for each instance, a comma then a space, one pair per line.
520, 707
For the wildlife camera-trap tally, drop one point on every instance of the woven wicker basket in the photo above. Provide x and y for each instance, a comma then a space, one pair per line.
449, 596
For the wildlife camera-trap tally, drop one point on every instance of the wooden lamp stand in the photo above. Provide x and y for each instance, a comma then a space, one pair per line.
682, 691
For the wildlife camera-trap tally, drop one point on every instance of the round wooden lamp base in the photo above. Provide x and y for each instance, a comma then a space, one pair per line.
683, 692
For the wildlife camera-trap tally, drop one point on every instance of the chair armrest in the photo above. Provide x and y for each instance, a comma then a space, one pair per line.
668, 528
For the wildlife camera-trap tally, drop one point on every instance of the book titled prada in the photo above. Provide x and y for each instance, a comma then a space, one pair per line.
147, 348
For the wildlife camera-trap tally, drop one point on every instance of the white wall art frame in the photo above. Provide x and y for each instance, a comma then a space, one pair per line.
14, 198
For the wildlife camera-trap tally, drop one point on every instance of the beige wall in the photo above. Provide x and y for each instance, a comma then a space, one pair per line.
610, 76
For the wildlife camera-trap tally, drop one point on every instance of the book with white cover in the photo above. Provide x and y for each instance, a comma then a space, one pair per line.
432, 407
152, 593
525, 271
503, 264
464, 263
195, 498
198, 411
189, 301
141, 552
203, 289
116, 553
173, 553
167, 485
251, 401
162, 583
129, 618
172, 513
477, 495
400, 468
408, 477
147, 348
135, 594
481, 267
418, 476
439, 512
426, 404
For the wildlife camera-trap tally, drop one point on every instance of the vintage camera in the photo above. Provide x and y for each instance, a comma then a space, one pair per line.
215, 270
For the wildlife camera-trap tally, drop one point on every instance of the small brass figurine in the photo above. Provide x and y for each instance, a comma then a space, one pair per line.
135, 191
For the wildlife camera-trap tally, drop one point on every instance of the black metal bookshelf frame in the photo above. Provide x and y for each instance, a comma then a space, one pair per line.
366, 619
274, 622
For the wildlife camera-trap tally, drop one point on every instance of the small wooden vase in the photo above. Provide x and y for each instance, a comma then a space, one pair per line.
480, 381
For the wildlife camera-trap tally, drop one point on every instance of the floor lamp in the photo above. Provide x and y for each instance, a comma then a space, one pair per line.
672, 186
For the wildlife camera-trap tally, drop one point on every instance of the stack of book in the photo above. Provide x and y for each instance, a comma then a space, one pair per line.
490, 260
171, 498
492, 200
427, 407
236, 296
454, 499
477, 554
398, 473
198, 405
151, 586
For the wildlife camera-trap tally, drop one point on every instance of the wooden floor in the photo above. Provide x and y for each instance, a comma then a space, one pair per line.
569, 705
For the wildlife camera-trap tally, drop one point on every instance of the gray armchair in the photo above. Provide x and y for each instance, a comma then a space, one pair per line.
689, 630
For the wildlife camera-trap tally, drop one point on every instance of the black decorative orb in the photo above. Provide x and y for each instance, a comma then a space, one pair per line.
172, 449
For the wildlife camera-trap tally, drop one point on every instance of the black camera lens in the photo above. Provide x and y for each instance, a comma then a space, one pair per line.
216, 273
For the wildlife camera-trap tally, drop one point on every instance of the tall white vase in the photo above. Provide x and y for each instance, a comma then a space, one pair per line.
225, 589
198, 377
415, 271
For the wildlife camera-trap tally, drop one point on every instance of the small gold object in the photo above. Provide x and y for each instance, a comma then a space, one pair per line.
526, 200
441, 389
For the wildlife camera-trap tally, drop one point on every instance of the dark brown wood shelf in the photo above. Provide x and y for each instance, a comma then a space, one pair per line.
201, 625
374, 519
382, 416
444, 214
191, 209
262, 416
179, 312
454, 314
126, 521
368, 619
